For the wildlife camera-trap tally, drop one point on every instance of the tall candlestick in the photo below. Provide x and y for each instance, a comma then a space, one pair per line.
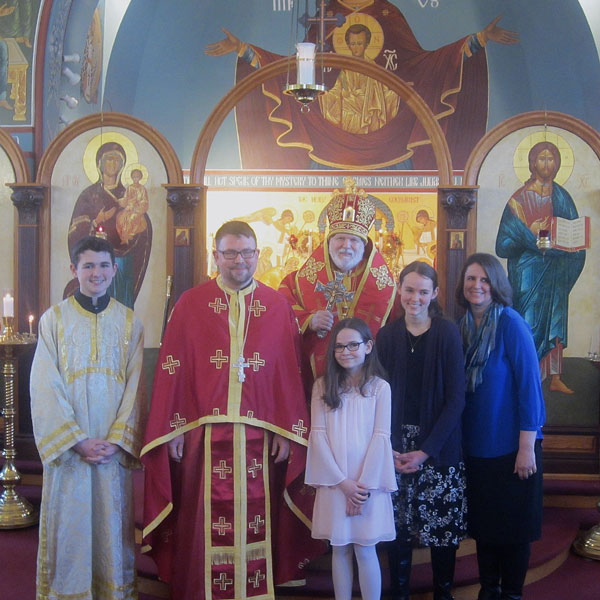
30, 324
15, 511
9, 306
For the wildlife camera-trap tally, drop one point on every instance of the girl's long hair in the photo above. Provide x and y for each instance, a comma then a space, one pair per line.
424, 270
336, 378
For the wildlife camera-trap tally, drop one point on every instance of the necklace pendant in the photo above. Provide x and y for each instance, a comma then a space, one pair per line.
240, 365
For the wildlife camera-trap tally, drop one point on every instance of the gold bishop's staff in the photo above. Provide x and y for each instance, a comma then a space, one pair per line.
167, 302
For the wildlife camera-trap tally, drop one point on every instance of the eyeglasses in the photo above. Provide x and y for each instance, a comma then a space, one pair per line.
352, 346
233, 254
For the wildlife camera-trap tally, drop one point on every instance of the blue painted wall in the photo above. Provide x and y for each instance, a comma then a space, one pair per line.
158, 70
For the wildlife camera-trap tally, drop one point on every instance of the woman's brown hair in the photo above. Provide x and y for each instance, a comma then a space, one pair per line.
499, 285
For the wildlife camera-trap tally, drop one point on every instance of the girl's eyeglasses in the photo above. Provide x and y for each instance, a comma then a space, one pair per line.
352, 346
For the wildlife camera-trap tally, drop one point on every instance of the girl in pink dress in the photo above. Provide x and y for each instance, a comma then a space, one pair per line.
350, 458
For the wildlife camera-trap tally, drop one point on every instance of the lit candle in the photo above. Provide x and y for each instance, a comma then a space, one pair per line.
310, 242
9, 306
30, 324
305, 61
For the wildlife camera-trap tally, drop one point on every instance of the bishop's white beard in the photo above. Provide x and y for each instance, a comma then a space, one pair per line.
346, 259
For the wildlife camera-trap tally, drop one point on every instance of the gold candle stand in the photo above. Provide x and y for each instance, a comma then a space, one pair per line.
588, 543
15, 511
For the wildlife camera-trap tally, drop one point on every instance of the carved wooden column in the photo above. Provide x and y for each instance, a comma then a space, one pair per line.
458, 237
187, 236
28, 199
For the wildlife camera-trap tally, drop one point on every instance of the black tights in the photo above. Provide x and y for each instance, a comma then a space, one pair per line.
442, 563
502, 569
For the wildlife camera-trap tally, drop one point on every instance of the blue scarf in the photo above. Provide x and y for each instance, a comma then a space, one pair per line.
479, 342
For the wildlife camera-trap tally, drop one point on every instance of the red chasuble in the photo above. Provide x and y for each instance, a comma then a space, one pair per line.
374, 292
227, 522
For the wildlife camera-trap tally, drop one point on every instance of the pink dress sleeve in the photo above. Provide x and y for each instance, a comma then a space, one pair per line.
378, 468
321, 467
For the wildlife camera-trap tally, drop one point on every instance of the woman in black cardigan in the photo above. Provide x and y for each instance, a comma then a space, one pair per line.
422, 353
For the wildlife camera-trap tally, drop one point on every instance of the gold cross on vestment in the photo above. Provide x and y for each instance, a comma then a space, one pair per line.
299, 428
219, 358
217, 305
221, 526
382, 277
311, 269
223, 470
368, 315
256, 308
256, 362
256, 579
223, 582
170, 365
177, 421
254, 467
256, 524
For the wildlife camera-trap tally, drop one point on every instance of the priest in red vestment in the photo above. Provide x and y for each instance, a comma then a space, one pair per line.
345, 277
226, 513
452, 80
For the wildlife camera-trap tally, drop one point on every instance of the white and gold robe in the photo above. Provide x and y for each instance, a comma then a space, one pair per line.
84, 384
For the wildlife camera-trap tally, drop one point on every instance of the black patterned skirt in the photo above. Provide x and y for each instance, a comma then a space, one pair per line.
430, 505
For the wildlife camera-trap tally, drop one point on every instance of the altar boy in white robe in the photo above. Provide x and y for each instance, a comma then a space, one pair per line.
87, 415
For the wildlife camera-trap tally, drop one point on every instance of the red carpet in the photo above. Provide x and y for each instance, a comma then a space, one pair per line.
576, 579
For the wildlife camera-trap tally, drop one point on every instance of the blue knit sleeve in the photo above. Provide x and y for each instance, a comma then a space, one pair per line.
522, 356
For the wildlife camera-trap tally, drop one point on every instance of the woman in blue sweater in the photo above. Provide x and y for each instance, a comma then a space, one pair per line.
502, 422
422, 354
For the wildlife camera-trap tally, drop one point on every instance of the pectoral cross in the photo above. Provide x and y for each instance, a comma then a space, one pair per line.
240, 365
334, 291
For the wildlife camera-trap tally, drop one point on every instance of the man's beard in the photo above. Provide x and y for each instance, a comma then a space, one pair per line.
344, 262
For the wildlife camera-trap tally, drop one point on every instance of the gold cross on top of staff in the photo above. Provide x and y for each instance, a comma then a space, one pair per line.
334, 291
